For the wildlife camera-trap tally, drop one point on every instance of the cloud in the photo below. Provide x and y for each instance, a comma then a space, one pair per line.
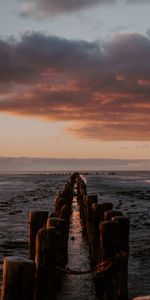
110, 131
25, 60
44, 8
103, 87
143, 146
27, 10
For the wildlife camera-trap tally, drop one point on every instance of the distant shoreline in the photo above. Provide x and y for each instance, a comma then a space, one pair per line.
69, 172
38, 165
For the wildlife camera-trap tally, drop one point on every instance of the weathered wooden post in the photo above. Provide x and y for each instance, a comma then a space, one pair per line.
82, 206
90, 200
114, 236
60, 201
62, 228
97, 217
82, 188
124, 248
62, 251
68, 192
47, 251
110, 246
81, 193
37, 219
107, 206
108, 215
18, 279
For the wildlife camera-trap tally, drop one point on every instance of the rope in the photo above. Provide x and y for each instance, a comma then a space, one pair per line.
99, 268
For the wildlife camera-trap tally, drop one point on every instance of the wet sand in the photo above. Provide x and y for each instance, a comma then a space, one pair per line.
128, 191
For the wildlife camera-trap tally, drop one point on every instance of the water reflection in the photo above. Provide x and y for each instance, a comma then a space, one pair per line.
75, 286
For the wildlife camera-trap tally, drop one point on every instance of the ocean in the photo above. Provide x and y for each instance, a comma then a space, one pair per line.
129, 191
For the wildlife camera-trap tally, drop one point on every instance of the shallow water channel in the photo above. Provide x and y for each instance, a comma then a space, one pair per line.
77, 286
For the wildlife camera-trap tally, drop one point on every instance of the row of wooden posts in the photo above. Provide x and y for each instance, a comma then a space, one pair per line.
106, 231
37, 278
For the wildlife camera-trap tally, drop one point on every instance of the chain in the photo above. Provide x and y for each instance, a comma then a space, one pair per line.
99, 268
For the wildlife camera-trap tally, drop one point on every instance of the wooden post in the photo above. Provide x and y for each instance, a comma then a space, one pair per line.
110, 246
62, 227
82, 205
107, 206
18, 279
124, 229
69, 191
60, 201
37, 219
90, 200
98, 212
108, 215
47, 250
62, 252
82, 188
55, 222
124, 247
97, 217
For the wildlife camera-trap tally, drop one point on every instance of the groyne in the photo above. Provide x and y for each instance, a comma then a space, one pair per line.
106, 234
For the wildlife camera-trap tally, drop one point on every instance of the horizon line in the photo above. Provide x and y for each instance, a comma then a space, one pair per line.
71, 158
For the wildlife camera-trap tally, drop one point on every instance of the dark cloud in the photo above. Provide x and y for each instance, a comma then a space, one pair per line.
25, 60
106, 86
44, 8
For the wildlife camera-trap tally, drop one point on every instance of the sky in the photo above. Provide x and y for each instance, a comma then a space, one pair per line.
75, 79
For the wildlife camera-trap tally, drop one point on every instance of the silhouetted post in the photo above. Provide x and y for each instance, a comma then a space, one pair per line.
106, 207
47, 251
37, 219
108, 215
124, 228
61, 226
82, 188
82, 207
98, 212
97, 218
110, 246
90, 200
68, 190
81, 195
124, 247
60, 201
18, 279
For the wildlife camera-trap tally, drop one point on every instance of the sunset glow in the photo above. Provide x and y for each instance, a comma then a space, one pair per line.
75, 97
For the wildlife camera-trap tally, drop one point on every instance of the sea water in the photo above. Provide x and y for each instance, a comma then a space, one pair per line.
128, 191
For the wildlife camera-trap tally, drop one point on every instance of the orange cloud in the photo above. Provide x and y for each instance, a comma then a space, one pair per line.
104, 85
